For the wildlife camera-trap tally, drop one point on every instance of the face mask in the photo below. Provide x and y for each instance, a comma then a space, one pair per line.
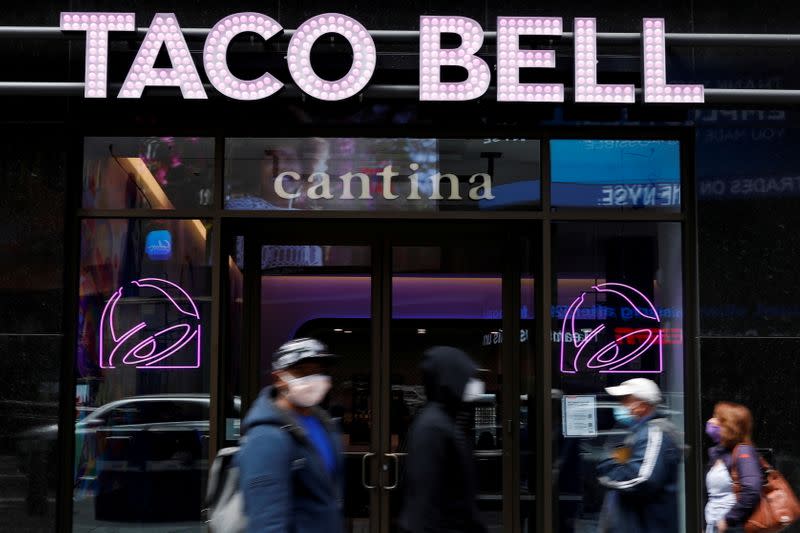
714, 432
623, 415
308, 390
473, 390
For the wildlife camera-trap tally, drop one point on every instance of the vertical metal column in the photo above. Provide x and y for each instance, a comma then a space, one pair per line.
381, 383
545, 508
511, 294
691, 340
217, 383
66, 392
251, 366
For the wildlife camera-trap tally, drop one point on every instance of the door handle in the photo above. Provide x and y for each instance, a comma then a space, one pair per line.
396, 471
364, 470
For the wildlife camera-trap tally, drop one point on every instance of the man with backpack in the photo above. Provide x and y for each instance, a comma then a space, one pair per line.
290, 462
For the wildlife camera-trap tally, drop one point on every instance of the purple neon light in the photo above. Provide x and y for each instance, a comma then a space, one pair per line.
143, 353
609, 358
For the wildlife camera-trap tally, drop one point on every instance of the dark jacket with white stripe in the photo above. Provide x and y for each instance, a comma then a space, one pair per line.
643, 491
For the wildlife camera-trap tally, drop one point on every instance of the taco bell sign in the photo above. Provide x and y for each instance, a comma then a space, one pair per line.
165, 32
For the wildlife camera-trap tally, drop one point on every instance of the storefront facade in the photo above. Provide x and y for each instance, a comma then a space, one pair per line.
554, 234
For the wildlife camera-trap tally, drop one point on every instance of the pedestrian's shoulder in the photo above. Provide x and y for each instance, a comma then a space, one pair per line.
266, 435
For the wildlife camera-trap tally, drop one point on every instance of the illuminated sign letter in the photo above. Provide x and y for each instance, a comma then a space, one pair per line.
97, 26
654, 59
432, 58
164, 30
299, 57
215, 56
586, 87
510, 59
280, 190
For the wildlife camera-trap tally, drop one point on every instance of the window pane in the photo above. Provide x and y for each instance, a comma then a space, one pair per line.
142, 372
355, 174
615, 173
148, 172
618, 315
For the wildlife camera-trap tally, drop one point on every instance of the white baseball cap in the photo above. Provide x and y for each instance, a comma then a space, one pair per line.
640, 388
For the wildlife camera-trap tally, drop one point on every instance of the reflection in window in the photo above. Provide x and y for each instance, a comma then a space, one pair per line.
615, 173
147, 172
142, 372
373, 174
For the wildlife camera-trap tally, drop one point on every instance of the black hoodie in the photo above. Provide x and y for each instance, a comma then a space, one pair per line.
440, 480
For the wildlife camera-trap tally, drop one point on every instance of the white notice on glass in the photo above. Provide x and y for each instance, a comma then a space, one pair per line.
579, 416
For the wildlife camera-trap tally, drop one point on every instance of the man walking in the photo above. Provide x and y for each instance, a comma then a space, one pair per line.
641, 474
440, 480
291, 472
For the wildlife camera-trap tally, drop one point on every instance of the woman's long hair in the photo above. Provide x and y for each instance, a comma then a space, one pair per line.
736, 422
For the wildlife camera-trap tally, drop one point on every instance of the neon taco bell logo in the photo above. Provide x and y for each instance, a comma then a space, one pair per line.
165, 32
125, 340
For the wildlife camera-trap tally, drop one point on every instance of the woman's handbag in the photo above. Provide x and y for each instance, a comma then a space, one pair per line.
778, 508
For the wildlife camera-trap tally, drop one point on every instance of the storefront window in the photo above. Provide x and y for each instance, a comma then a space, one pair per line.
142, 363
616, 173
148, 172
618, 315
356, 174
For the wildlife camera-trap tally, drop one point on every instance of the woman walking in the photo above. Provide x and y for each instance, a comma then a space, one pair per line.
729, 506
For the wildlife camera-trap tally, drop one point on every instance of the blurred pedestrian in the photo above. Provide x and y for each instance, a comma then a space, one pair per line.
730, 428
641, 474
290, 461
440, 484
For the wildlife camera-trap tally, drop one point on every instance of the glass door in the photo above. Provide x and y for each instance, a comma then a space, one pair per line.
324, 291
445, 294
379, 297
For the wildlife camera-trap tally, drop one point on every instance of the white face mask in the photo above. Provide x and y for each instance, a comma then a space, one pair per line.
307, 391
473, 390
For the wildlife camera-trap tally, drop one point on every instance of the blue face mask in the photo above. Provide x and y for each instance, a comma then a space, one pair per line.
623, 415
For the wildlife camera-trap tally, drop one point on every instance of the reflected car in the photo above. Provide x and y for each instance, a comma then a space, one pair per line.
138, 456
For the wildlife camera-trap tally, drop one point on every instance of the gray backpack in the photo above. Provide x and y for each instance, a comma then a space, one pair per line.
224, 500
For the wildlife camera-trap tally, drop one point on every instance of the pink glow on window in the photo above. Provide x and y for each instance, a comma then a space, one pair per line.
510, 58
432, 58
164, 30
97, 26
586, 87
654, 69
215, 56
129, 349
578, 354
298, 57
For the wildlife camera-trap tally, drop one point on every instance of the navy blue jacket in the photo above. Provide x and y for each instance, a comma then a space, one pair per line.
643, 491
750, 480
285, 484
